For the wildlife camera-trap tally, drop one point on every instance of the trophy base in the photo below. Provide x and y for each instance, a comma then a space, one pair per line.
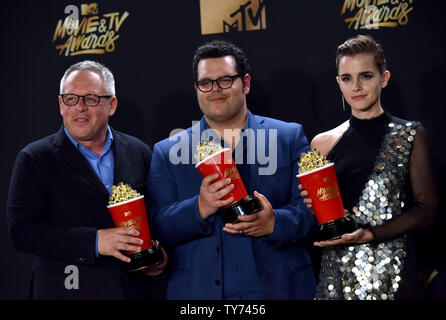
246, 206
336, 228
144, 259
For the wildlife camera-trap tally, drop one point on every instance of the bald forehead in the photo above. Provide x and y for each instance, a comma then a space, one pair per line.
90, 80
84, 74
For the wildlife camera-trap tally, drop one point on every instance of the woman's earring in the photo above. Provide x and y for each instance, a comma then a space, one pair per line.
343, 102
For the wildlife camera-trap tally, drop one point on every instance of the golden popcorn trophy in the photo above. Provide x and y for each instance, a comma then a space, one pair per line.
213, 158
318, 177
128, 209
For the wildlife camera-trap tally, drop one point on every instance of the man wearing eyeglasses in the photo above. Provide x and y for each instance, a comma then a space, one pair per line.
59, 191
263, 256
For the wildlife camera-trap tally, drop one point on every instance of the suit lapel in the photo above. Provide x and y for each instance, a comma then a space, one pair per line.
74, 159
119, 149
255, 122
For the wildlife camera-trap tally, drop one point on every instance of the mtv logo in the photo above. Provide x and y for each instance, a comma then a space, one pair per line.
230, 27
232, 15
91, 8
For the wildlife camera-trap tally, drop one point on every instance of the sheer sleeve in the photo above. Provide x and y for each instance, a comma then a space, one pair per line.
425, 200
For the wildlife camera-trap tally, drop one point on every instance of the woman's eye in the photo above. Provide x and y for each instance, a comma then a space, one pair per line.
366, 76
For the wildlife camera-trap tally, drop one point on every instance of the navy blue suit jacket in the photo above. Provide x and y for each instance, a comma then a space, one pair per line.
280, 260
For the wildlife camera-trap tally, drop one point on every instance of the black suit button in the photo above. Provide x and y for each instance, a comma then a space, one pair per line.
217, 282
218, 249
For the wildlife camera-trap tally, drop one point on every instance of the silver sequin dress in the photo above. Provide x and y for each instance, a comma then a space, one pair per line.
372, 162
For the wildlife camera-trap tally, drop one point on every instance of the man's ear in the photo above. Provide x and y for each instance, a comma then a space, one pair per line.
247, 83
113, 106
61, 104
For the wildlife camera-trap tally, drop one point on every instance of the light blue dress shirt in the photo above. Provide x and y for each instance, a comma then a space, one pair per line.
103, 165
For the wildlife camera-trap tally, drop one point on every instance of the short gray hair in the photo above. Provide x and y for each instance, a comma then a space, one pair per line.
96, 67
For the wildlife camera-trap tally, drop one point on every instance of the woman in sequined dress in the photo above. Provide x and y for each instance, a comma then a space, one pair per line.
385, 176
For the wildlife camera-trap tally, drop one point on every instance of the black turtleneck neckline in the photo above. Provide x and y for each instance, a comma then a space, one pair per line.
367, 124
355, 153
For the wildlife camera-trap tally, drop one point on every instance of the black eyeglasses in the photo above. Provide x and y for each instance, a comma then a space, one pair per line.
224, 82
90, 100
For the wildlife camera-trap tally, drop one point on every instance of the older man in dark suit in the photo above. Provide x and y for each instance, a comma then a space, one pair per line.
59, 191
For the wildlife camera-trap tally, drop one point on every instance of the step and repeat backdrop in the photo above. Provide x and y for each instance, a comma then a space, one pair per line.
149, 46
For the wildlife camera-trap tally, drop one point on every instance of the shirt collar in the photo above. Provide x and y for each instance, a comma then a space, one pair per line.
204, 125
79, 146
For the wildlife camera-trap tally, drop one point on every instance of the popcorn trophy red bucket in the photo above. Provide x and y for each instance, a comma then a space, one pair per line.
132, 213
323, 189
222, 163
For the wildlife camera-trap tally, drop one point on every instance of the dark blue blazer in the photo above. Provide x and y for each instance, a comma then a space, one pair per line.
57, 203
280, 260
